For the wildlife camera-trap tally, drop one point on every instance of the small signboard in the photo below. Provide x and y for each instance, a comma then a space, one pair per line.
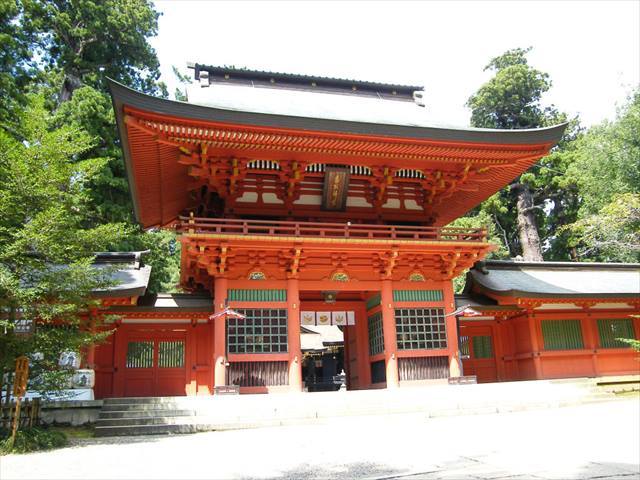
23, 326
21, 376
226, 390
464, 380
327, 318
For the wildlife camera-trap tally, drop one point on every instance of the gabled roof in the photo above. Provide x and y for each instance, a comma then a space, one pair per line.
555, 279
130, 276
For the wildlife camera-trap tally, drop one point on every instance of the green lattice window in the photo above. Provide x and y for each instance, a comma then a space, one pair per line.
463, 344
562, 334
139, 355
611, 330
417, 295
420, 328
376, 336
251, 295
262, 331
171, 354
482, 346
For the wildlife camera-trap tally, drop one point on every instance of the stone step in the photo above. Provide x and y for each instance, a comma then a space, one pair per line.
159, 429
143, 406
146, 413
134, 421
145, 400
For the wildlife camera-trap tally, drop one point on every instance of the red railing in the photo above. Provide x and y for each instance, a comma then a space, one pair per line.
228, 226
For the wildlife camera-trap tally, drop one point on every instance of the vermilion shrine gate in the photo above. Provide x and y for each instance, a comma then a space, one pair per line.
283, 210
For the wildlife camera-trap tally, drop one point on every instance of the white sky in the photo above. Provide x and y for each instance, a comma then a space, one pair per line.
591, 49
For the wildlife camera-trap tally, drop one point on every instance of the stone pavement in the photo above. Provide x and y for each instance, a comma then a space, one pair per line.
594, 441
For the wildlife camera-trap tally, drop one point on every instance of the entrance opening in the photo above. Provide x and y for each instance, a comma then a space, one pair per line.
333, 340
323, 369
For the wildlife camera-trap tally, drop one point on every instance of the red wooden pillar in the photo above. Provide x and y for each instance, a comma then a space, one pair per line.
219, 333
451, 325
389, 334
362, 340
590, 339
497, 331
90, 360
535, 345
119, 360
293, 323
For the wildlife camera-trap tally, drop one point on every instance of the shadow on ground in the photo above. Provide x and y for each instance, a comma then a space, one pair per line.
351, 471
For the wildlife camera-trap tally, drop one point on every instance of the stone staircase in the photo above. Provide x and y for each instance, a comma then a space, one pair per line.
145, 416
166, 415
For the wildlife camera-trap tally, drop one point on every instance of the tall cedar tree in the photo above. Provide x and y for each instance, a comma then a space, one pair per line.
511, 100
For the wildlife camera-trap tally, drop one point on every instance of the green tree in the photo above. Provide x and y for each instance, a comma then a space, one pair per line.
16, 64
509, 100
606, 171
87, 40
47, 243
78, 43
481, 219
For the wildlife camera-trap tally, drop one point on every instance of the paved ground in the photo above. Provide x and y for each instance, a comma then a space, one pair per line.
591, 441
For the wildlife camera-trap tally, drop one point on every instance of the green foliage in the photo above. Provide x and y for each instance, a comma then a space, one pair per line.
611, 234
31, 440
635, 344
183, 79
163, 256
605, 171
91, 110
16, 64
88, 40
513, 99
608, 159
47, 243
480, 220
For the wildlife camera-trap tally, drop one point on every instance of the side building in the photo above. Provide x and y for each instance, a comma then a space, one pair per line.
541, 320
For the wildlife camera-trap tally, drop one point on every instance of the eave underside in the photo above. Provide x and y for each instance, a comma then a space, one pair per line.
180, 166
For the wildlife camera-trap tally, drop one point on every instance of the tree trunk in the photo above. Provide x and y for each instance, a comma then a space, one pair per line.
527, 224
71, 82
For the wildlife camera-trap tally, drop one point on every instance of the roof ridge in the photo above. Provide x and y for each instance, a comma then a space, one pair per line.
294, 76
543, 264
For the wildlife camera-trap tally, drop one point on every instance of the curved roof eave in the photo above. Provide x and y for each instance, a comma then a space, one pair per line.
122, 95
525, 294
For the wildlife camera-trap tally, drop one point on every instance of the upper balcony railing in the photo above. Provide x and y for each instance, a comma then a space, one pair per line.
226, 226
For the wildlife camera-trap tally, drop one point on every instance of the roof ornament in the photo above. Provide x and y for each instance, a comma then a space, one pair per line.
465, 310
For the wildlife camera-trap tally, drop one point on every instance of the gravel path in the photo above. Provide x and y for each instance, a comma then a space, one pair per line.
591, 441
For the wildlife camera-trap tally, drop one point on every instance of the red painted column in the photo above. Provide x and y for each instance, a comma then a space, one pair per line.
362, 339
90, 360
389, 333
293, 323
451, 325
219, 333
498, 354
535, 345
588, 325
119, 360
